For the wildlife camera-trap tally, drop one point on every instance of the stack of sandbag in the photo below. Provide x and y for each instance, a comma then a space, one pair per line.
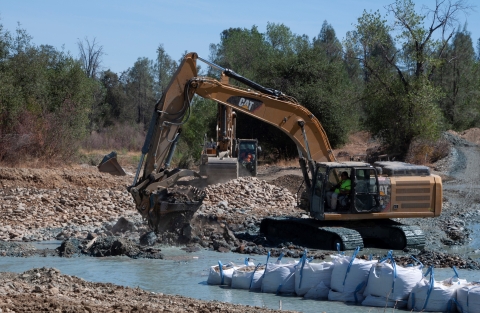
278, 277
312, 280
221, 274
349, 278
389, 285
248, 277
468, 298
438, 296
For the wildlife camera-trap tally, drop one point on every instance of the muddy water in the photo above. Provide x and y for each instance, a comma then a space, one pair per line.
185, 274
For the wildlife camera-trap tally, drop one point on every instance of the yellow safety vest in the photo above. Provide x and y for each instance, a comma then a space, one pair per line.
345, 185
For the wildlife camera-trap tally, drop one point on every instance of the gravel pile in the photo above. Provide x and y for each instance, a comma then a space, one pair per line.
456, 140
41, 214
247, 196
47, 290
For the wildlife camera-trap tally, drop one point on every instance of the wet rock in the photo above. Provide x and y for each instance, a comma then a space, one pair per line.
114, 246
191, 248
91, 235
123, 225
70, 247
189, 232
221, 245
148, 239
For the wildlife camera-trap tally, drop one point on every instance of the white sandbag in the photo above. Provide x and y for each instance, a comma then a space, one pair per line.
356, 296
437, 296
349, 277
308, 275
383, 302
391, 282
221, 274
279, 278
248, 277
319, 292
468, 298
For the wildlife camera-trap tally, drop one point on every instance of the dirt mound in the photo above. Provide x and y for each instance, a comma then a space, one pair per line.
290, 182
472, 135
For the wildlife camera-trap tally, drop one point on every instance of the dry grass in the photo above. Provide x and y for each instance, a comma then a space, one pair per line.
127, 159
118, 137
287, 163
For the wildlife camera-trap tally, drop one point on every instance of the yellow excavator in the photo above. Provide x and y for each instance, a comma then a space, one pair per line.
228, 157
379, 193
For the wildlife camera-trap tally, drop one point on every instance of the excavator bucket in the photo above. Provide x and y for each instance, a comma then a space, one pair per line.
220, 170
110, 165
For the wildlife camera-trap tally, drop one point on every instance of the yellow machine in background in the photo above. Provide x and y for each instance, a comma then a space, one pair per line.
228, 157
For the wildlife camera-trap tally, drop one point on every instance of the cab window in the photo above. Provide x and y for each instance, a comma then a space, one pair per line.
335, 174
365, 181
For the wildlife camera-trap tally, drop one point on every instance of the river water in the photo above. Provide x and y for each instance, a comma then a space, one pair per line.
185, 274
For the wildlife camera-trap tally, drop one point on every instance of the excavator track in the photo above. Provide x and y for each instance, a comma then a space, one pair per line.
349, 234
311, 233
389, 234
414, 236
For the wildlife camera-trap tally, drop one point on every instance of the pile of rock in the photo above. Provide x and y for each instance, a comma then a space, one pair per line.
247, 196
30, 212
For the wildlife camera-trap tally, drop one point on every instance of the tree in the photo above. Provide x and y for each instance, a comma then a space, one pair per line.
44, 100
328, 41
478, 49
202, 121
400, 100
314, 73
164, 68
458, 77
90, 56
138, 82
241, 50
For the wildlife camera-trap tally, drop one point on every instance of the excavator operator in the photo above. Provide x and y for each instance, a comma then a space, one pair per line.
247, 162
339, 192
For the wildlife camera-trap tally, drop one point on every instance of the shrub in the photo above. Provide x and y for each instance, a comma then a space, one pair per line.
117, 137
427, 152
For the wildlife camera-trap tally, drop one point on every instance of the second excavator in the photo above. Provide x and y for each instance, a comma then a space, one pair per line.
380, 195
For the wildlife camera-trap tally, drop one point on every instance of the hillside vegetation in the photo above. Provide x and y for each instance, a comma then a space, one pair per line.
403, 81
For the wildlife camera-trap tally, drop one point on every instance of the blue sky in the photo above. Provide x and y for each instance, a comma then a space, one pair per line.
130, 29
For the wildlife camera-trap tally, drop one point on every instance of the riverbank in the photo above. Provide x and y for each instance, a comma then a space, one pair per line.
46, 289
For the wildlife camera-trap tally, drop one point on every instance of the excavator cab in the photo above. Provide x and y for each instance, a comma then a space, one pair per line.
247, 156
364, 196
